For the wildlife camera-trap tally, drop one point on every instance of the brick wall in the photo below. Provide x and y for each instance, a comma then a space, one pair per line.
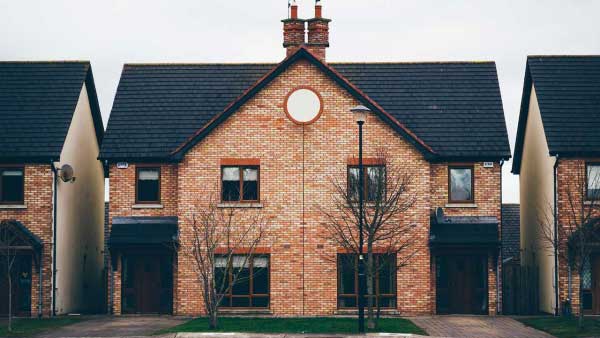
37, 217
570, 179
296, 164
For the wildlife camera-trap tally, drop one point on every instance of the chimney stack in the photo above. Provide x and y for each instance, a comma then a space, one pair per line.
318, 32
293, 30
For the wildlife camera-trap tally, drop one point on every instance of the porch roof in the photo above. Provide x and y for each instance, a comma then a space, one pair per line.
464, 231
139, 231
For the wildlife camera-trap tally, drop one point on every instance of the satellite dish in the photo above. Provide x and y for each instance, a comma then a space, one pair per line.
66, 173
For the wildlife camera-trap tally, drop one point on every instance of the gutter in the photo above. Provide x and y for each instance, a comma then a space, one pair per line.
556, 307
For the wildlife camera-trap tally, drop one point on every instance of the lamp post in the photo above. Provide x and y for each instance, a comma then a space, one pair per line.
360, 113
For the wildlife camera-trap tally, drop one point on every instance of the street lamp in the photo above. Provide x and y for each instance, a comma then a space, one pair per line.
360, 113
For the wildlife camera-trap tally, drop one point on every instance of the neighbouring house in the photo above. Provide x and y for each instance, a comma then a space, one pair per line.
557, 144
511, 234
52, 187
180, 133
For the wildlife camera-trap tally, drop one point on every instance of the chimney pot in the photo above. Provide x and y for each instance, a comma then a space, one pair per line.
294, 10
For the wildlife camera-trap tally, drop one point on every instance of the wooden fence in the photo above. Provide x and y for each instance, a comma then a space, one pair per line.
520, 290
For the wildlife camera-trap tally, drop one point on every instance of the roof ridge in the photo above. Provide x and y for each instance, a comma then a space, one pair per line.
413, 62
145, 64
563, 56
45, 61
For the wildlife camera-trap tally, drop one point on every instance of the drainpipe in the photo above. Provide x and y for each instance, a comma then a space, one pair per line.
556, 305
499, 258
54, 207
40, 282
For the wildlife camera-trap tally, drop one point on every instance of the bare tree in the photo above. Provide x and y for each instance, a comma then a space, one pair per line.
577, 230
221, 241
8, 254
385, 230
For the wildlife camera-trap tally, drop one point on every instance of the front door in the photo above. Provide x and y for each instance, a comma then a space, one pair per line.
147, 283
20, 286
596, 284
462, 284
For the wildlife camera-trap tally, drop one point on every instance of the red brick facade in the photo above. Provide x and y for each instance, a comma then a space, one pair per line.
295, 164
37, 217
570, 177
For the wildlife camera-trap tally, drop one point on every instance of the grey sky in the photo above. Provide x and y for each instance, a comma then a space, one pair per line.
110, 33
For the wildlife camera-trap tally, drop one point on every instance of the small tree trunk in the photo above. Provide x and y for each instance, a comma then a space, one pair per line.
580, 315
370, 288
213, 320
9, 297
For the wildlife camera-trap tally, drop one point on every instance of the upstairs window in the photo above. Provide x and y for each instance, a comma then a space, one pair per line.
240, 183
374, 182
593, 181
148, 185
11, 185
460, 184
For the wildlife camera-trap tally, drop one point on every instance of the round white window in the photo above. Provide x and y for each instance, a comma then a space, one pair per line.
303, 106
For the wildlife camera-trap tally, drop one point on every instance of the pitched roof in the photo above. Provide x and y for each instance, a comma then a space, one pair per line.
160, 111
511, 231
568, 93
37, 102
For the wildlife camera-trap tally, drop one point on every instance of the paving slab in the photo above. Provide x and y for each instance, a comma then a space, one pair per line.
119, 326
476, 327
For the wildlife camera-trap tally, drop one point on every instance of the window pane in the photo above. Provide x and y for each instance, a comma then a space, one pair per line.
221, 280
460, 184
587, 274
346, 267
260, 281
148, 185
387, 276
347, 302
375, 183
231, 184
240, 302
353, 177
250, 184
12, 186
242, 284
593, 181
260, 301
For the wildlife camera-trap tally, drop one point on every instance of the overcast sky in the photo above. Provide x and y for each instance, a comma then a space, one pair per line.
110, 33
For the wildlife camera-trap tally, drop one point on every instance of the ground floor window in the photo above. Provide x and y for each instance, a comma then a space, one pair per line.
251, 276
384, 281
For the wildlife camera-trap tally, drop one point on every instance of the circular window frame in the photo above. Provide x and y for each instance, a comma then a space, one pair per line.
289, 116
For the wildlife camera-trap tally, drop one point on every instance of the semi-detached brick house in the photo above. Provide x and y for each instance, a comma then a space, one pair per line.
557, 158
179, 133
49, 117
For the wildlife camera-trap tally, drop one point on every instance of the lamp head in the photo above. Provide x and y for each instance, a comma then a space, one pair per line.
360, 113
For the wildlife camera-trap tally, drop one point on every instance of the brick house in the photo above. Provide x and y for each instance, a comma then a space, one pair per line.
49, 117
179, 133
556, 155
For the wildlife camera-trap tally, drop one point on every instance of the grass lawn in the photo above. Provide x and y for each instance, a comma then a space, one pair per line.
293, 325
24, 327
564, 327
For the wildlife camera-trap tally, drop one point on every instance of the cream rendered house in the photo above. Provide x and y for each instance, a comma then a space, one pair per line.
557, 140
52, 187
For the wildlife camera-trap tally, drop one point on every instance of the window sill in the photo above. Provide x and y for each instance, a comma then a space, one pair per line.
147, 206
590, 202
242, 311
13, 206
239, 205
347, 312
461, 205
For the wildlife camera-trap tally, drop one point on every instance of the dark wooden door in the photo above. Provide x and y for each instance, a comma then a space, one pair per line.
147, 283
596, 284
467, 285
21, 286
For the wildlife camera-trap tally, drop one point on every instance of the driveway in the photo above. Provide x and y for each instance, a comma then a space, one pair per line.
476, 327
118, 326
